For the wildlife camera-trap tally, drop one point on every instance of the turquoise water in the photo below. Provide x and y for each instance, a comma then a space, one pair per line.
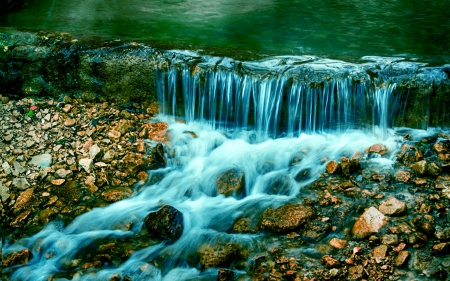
343, 29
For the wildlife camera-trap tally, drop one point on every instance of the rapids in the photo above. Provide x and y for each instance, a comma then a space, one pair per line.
189, 186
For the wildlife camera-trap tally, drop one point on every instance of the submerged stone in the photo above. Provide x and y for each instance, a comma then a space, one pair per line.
215, 255
286, 218
16, 258
166, 223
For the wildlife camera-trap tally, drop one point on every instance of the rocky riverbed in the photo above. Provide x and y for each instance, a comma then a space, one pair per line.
63, 158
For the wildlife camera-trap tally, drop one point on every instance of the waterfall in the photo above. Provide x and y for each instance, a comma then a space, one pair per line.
273, 103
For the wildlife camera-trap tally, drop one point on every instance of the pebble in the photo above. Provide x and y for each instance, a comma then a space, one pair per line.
69, 122
86, 164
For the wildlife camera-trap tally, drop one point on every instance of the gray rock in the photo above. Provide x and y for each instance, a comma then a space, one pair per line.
63, 174
41, 160
4, 192
18, 169
94, 151
21, 183
6, 168
30, 143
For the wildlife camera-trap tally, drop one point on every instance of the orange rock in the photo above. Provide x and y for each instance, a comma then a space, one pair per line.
392, 207
332, 166
58, 181
369, 223
338, 243
377, 148
157, 131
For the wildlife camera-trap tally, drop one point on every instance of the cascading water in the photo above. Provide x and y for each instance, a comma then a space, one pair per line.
277, 127
273, 103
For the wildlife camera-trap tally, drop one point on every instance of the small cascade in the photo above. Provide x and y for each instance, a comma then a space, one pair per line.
272, 100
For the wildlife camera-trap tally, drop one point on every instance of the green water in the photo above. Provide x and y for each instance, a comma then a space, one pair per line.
337, 29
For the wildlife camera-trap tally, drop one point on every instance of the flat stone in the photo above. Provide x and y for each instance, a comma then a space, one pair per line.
113, 134
338, 243
6, 168
4, 192
401, 258
58, 182
369, 223
41, 160
380, 252
389, 239
86, 164
21, 183
24, 199
392, 207
69, 122
286, 218
18, 169
63, 174
30, 143
116, 194
8, 138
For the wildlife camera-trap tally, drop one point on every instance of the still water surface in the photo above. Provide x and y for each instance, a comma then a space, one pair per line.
345, 29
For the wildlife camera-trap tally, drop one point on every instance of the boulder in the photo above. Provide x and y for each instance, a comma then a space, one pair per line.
166, 223
370, 222
286, 218
392, 207
231, 182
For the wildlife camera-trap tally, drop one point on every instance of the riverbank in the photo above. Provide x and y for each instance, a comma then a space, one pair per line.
64, 158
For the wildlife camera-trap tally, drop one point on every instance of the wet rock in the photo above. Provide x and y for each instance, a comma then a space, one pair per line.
86, 164
389, 239
281, 184
403, 176
16, 258
303, 175
329, 262
133, 163
401, 258
63, 174
370, 222
345, 166
216, 255
442, 233
332, 167
338, 243
420, 167
441, 248
25, 199
157, 131
315, 230
41, 160
286, 218
433, 169
166, 223
392, 207
355, 272
21, 183
441, 147
380, 252
116, 194
231, 182
246, 225
225, 275
378, 148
